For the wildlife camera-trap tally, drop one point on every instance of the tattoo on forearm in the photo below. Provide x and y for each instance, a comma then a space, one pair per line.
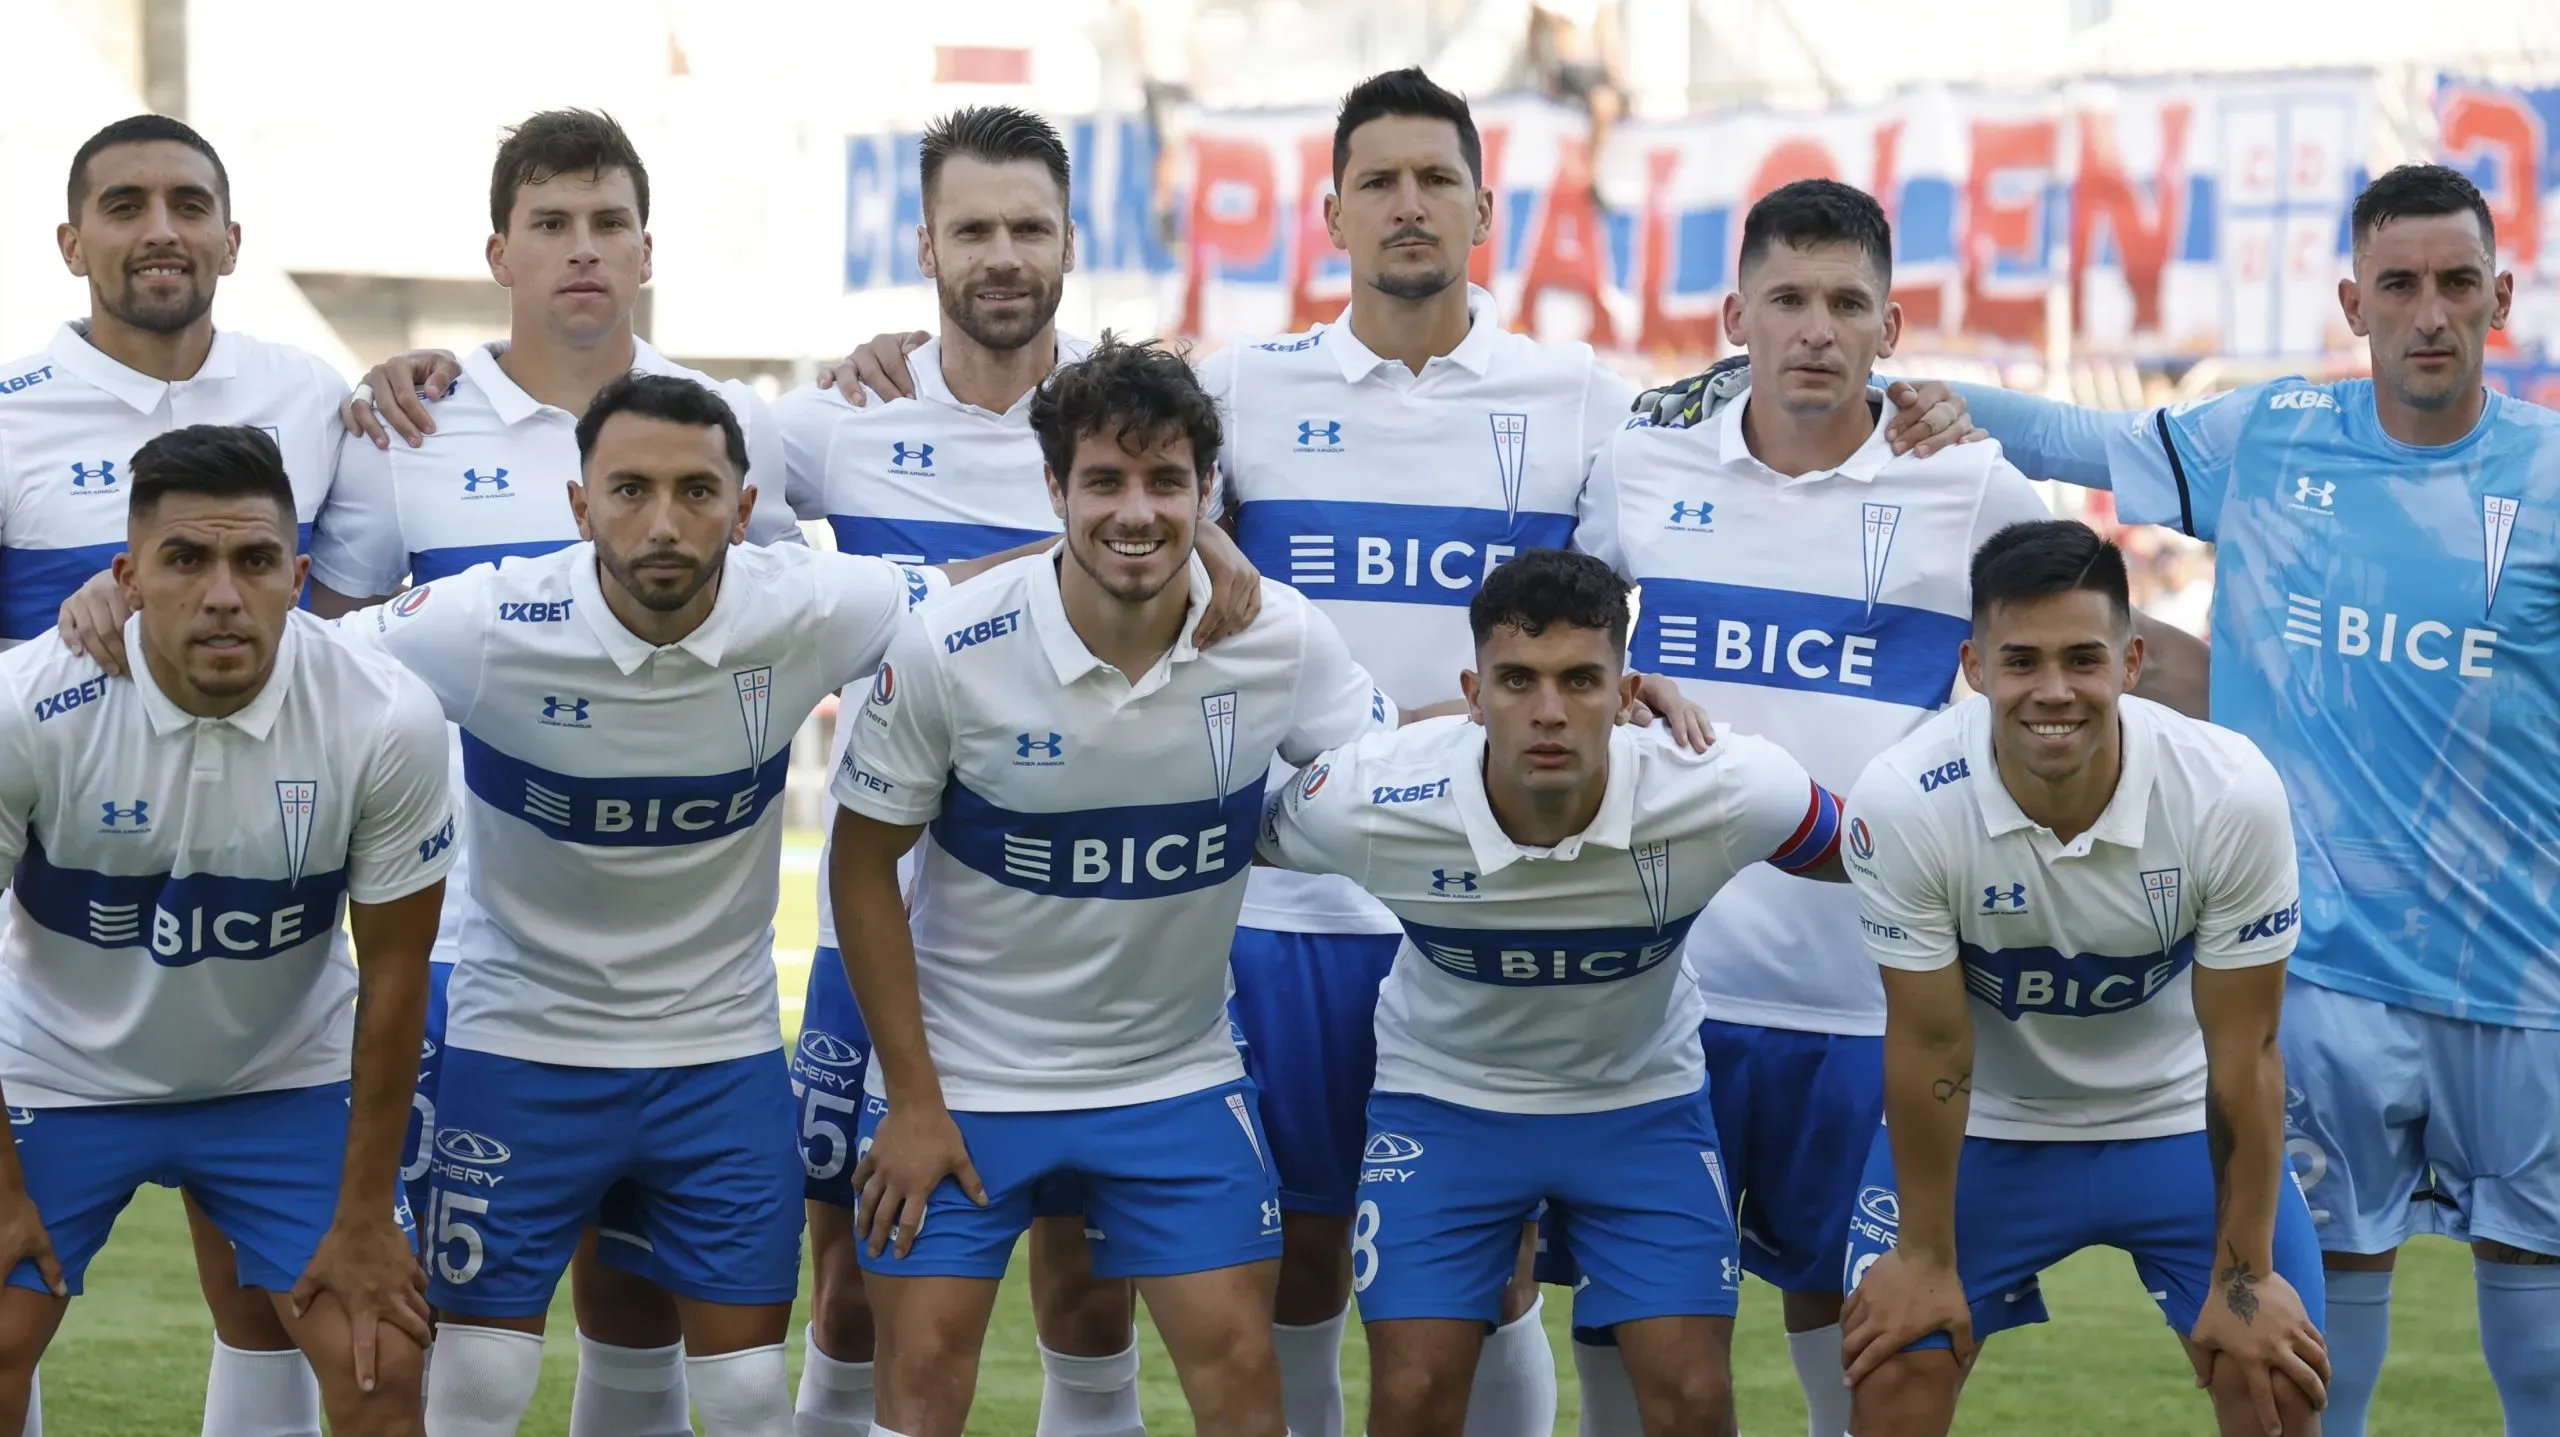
2219, 1143
1945, 1089
2240, 1287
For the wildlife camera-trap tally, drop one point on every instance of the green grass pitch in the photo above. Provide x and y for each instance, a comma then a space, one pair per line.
131, 1357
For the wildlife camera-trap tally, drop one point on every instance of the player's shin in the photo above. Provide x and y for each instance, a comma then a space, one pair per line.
2520, 1336
1514, 1393
629, 1391
1311, 1375
835, 1397
482, 1380
2358, 1327
742, 1394
1816, 1356
260, 1394
1608, 1394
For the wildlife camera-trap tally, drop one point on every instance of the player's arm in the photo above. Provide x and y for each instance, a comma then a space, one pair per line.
2177, 667
774, 519
887, 788
2245, 931
1308, 826
22, 1234
1898, 866
1775, 813
1335, 700
358, 557
439, 633
397, 859
805, 419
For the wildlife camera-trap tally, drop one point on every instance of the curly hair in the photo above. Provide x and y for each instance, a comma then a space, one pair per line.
1135, 392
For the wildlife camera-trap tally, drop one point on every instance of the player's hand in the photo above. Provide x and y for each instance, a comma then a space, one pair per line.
2260, 1324
1932, 418
880, 364
92, 621
1235, 587
1660, 698
396, 392
368, 1265
1898, 1302
23, 1239
914, 1149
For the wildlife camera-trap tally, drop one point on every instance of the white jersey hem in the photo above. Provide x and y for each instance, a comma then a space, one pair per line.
2014, 1131
1030, 1094
1724, 1008
1573, 1104
31, 1093
635, 1052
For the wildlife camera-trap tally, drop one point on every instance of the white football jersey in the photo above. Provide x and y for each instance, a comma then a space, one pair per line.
925, 480
2079, 955
1090, 835
1824, 610
1545, 980
1386, 496
493, 482
176, 882
71, 419
625, 849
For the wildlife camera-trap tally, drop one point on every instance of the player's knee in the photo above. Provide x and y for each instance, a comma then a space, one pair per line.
1910, 1388
1695, 1401
1416, 1399
1089, 1317
1315, 1268
396, 1407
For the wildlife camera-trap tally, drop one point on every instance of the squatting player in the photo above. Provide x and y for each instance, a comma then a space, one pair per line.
2094, 896
1538, 1039
180, 1006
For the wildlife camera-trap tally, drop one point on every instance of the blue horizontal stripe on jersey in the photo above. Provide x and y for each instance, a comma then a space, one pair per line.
181, 921
1153, 850
428, 565
34, 582
1811, 643
1388, 553
2081, 985
926, 541
1542, 958
634, 811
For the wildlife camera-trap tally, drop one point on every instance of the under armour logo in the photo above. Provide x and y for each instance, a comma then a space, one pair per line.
901, 452
2316, 495
104, 473
138, 814
472, 479
1319, 431
554, 706
1024, 745
1993, 896
1443, 881
1700, 514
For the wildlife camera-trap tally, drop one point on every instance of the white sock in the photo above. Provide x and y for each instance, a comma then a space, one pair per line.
260, 1394
35, 1406
482, 1380
1608, 1394
1090, 1396
629, 1391
835, 1397
1515, 1389
1816, 1355
879, 1431
1311, 1375
742, 1394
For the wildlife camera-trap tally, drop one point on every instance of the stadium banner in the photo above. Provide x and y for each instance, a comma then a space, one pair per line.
2508, 141
2178, 217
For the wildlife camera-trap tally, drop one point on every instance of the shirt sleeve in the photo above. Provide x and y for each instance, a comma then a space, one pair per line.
2046, 438
900, 757
17, 779
356, 545
438, 631
1337, 701
1897, 862
2252, 910
403, 839
1779, 815
806, 421
865, 602
1311, 824
2007, 498
772, 520
1595, 520
1607, 399
1218, 376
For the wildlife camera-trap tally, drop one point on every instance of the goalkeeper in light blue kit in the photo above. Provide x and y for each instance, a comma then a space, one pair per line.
2384, 627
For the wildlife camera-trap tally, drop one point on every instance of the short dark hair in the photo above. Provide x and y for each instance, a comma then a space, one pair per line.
1813, 212
220, 461
1136, 391
562, 142
995, 135
670, 397
142, 129
1543, 587
2416, 191
1407, 92
2047, 556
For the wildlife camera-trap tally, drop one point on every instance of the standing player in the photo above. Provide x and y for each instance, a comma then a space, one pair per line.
1538, 1038
1802, 581
150, 228
2385, 590
180, 1006
1054, 1006
612, 1052
2114, 884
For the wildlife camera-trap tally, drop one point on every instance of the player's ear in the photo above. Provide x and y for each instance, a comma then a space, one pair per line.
648, 257
2134, 653
1733, 318
1067, 263
2351, 303
578, 509
497, 255
1628, 683
924, 250
1484, 217
746, 511
1892, 329
1469, 685
127, 576
2503, 294
1333, 220
301, 572
230, 247
68, 237
1969, 659
1057, 492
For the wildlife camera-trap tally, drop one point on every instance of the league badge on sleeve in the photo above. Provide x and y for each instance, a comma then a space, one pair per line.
884, 692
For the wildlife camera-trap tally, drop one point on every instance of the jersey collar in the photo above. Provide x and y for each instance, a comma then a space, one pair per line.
1474, 353
1068, 656
627, 649
1495, 850
257, 720
1863, 465
73, 351
508, 398
2124, 820
924, 371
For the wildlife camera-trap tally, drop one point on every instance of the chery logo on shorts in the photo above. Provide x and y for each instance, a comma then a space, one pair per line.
828, 1050
1391, 1148
465, 1146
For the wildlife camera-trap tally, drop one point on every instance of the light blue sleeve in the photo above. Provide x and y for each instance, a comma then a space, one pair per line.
2167, 466
2045, 438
